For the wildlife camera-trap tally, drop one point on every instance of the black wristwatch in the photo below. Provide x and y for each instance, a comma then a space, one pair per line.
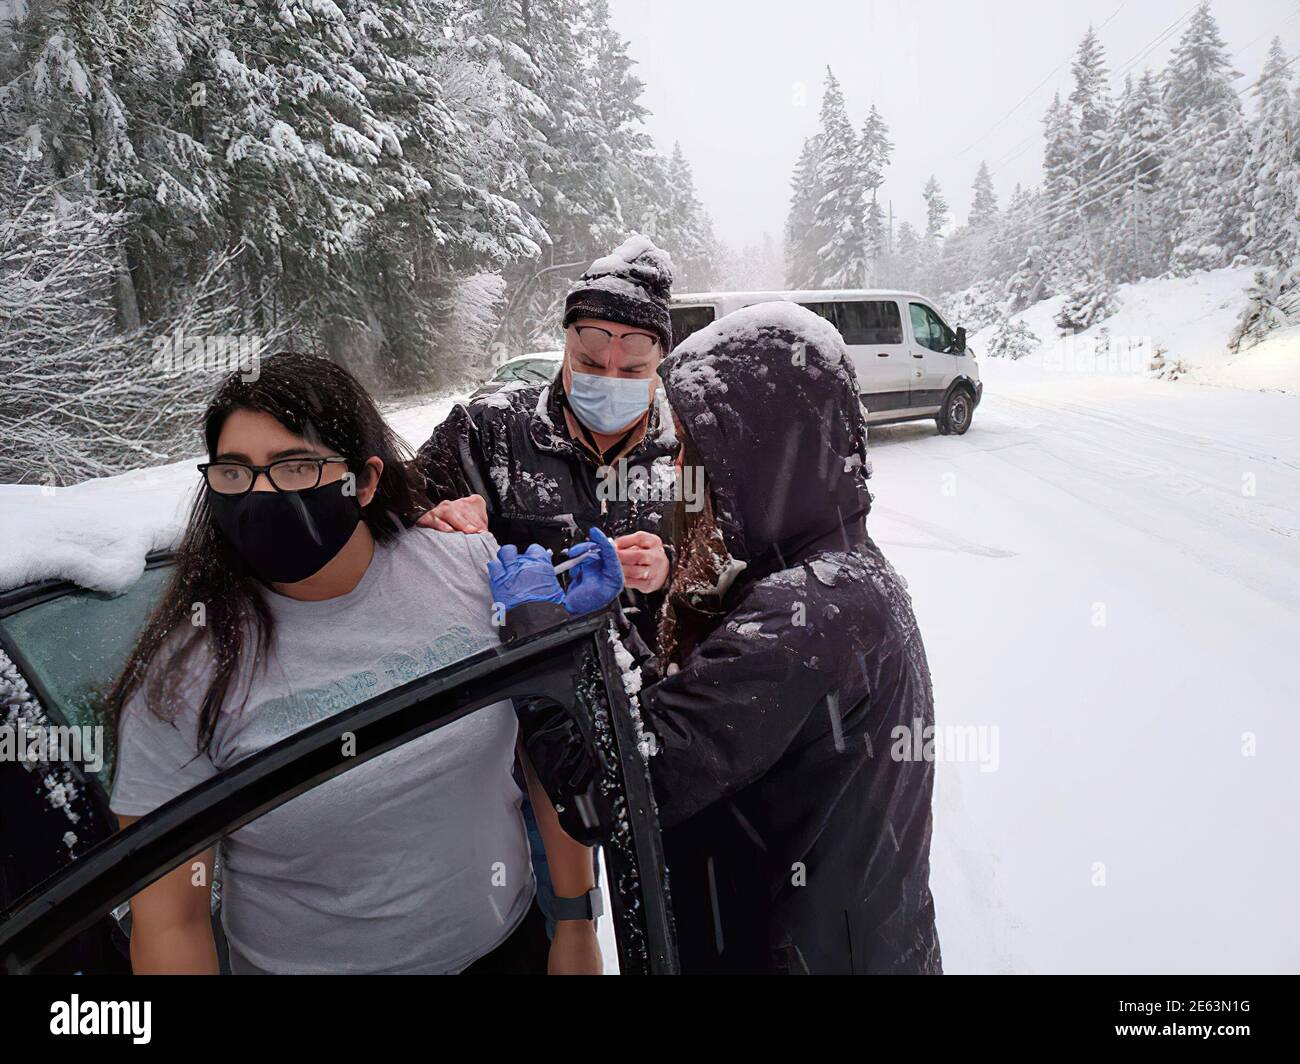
584, 907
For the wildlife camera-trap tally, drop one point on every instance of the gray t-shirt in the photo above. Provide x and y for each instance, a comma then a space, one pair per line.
416, 861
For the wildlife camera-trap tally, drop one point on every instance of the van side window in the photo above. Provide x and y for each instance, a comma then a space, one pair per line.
824, 310
929, 330
876, 322
687, 320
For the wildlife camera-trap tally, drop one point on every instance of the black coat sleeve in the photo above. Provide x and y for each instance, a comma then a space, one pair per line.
451, 459
562, 750
733, 709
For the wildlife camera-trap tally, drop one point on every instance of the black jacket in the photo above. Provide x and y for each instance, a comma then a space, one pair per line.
796, 826
512, 448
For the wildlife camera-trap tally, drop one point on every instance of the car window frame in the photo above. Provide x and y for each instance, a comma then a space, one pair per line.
91, 886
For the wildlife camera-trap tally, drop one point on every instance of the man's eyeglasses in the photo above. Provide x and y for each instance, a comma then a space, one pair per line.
594, 340
288, 474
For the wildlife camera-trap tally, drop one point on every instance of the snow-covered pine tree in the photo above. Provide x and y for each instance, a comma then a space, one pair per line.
1089, 300
842, 260
967, 252
1136, 243
936, 210
802, 237
472, 320
1012, 339
1025, 286
1059, 226
686, 230
909, 261
1272, 169
594, 168
1273, 302
1010, 238
875, 149
936, 220
1205, 116
1091, 107
984, 202
1014, 253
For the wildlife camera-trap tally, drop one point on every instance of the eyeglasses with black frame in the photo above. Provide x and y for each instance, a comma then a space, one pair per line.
594, 340
286, 474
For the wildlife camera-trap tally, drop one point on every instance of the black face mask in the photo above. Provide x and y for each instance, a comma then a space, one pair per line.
286, 536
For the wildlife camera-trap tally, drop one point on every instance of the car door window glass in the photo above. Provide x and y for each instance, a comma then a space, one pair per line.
73, 645
929, 330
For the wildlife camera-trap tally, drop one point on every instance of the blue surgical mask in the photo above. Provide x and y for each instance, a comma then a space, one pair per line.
607, 404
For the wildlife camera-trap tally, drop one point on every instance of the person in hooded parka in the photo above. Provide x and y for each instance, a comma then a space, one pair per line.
791, 675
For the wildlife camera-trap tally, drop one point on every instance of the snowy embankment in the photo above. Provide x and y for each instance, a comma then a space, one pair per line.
1190, 318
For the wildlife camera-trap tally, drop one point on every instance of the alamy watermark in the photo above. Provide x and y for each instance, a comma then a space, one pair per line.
661, 482
48, 743
78, 1017
218, 353
1100, 354
948, 742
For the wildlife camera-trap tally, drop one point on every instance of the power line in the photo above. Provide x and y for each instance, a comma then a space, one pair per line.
1029, 95
1142, 52
1145, 51
1059, 211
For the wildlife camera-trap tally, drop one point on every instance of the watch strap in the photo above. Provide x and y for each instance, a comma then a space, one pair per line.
584, 907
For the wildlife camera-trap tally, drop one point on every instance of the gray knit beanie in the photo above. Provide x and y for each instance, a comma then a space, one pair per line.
631, 286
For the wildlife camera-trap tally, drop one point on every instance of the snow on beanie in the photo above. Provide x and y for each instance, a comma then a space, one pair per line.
630, 286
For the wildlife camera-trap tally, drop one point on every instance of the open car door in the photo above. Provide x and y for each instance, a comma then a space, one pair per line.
573, 665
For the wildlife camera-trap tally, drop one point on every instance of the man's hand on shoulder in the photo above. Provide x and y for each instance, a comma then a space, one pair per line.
457, 515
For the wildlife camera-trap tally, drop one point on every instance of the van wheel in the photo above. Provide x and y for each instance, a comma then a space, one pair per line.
956, 414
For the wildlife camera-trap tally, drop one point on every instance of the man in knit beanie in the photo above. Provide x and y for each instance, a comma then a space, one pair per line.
483, 463
533, 464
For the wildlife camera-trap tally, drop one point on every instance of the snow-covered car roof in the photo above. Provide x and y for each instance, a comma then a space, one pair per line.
797, 295
96, 534
534, 356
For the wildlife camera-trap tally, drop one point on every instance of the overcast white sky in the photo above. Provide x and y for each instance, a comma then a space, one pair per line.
738, 82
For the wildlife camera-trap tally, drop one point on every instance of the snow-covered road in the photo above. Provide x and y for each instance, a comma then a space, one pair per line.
1106, 573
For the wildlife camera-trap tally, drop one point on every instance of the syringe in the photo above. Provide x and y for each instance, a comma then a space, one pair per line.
565, 566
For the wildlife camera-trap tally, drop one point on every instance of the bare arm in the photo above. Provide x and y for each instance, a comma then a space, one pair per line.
574, 949
171, 923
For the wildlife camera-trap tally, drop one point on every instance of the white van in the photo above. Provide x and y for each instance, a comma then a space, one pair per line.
910, 364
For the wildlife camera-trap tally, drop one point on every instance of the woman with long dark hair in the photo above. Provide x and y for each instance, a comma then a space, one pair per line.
301, 589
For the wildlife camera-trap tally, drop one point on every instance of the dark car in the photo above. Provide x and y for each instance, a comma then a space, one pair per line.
66, 872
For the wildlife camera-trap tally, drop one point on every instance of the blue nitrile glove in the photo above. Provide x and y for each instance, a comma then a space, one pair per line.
529, 577
597, 581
